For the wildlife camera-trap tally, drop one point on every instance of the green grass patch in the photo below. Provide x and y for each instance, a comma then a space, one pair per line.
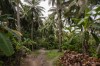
51, 54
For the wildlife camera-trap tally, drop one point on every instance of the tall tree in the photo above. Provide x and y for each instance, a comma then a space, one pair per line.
58, 4
33, 13
18, 18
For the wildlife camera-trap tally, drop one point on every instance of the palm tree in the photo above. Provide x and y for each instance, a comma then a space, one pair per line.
33, 14
57, 4
60, 9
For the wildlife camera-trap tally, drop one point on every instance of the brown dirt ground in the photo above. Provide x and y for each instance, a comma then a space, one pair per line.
40, 60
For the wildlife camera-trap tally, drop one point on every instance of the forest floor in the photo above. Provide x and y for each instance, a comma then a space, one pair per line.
41, 58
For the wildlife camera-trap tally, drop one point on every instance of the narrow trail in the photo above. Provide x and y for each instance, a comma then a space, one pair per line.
40, 60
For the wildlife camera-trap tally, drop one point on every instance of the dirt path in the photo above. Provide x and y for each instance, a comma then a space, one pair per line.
40, 60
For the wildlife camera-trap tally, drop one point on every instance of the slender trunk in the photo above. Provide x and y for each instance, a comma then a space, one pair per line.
18, 19
85, 43
19, 29
98, 51
32, 31
85, 47
60, 29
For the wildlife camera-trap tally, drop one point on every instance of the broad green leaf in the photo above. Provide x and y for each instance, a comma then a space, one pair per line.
97, 9
76, 20
81, 21
5, 45
87, 12
70, 40
1, 62
96, 26
96, 38
98, 19
14, 32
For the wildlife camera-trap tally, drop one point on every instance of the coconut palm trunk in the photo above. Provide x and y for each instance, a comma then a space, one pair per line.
58, 4
60, 29
19, 29
18, 19
32, 31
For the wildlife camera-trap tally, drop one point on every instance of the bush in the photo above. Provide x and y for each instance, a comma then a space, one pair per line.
75, 44
47, 43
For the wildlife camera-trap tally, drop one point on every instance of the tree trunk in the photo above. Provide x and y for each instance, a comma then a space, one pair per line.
85, 43
32, 31
18, 19
85, 47
60, 29
98, 51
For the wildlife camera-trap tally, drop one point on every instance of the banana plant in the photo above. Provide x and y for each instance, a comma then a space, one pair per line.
87, 24
6, 45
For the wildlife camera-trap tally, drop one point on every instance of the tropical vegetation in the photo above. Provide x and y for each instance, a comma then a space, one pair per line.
71, 25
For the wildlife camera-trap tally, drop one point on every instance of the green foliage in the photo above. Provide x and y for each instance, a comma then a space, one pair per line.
83, 26
1, 63
74, 43
47, 40
24, 45
47, 43
96, 38
6, 45
51, 54
15, 33
5, 17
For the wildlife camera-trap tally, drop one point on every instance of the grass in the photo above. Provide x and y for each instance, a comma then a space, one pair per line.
51, 54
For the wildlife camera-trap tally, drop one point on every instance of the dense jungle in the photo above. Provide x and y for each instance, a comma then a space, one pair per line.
68, 36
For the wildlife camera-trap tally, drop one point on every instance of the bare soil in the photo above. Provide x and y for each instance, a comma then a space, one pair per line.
39, 60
